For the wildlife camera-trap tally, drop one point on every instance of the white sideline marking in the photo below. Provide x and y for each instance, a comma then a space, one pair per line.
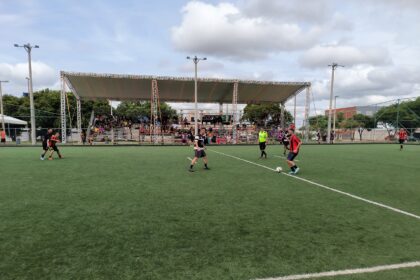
327, 188
285, 157
347, 271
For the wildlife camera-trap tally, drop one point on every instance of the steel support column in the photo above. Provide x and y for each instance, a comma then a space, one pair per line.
234, 112
307, 104
154, 113
63, 111
79, 119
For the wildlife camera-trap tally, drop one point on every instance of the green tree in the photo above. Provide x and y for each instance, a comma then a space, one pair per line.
134, 110
318, 123
262, 114
351, 125
407, 113
363, 122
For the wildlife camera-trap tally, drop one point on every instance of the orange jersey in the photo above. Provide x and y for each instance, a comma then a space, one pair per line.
294, 142
53, 140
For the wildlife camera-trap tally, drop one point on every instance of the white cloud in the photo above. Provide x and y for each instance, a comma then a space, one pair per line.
402, 4
224, 30
321, 56
364, 85
43, 76
285, 10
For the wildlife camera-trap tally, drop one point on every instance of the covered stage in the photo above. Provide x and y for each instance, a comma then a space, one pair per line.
173, 89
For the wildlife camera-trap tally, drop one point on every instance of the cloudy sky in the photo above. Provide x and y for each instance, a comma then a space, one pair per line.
377, 40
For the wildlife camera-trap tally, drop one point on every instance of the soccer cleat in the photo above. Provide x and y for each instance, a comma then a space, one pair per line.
41, 158
190, 170
296, 170
291, 173
50, 158
206, 168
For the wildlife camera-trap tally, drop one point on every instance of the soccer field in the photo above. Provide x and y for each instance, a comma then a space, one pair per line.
137, 213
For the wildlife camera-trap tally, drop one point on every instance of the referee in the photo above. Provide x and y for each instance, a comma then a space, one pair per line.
262, 139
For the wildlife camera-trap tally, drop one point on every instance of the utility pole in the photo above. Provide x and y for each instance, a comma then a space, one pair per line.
195, 59
28, 48
335, 112
333, 67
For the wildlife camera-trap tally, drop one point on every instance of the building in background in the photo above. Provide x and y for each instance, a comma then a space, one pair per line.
349, 112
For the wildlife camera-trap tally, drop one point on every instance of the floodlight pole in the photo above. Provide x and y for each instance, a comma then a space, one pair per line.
28, 48
335, 111
333, 67
27, 80
1, 105
195, 59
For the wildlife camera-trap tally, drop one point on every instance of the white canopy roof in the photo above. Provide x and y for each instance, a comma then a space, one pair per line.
178, 89
11, 120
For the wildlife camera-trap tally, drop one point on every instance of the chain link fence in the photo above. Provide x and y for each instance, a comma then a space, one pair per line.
140, 135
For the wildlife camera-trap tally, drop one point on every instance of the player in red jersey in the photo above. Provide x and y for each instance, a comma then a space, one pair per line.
294, 150
53, 145
402, 137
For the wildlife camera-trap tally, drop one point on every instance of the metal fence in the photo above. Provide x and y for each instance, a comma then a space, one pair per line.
215, 136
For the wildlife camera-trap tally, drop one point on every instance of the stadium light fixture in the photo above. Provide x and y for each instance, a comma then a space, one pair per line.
28, 48
333, 68
1, 106
195, 59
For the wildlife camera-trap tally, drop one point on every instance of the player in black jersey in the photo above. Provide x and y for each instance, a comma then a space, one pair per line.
286, 141
45, 142
199, 150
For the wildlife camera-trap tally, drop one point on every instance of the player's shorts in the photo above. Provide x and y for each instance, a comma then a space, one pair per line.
291, 156
200, 153
262, 146
3, 140
54, 148
45, 146
401, 141
286, 143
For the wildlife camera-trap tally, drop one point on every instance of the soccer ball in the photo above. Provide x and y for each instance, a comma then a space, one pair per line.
279, 169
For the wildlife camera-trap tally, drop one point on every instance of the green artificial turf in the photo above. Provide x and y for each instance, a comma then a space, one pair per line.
137, 213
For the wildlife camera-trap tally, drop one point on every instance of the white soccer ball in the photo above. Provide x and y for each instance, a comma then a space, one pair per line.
279, 169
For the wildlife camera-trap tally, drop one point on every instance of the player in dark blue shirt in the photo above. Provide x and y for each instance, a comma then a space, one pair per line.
45, 142
199, 148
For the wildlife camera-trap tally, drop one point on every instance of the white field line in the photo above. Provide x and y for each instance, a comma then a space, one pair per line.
327, 188
347, 271
284, 157
190, 159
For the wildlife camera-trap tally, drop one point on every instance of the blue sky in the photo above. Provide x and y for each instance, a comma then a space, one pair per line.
260, 39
